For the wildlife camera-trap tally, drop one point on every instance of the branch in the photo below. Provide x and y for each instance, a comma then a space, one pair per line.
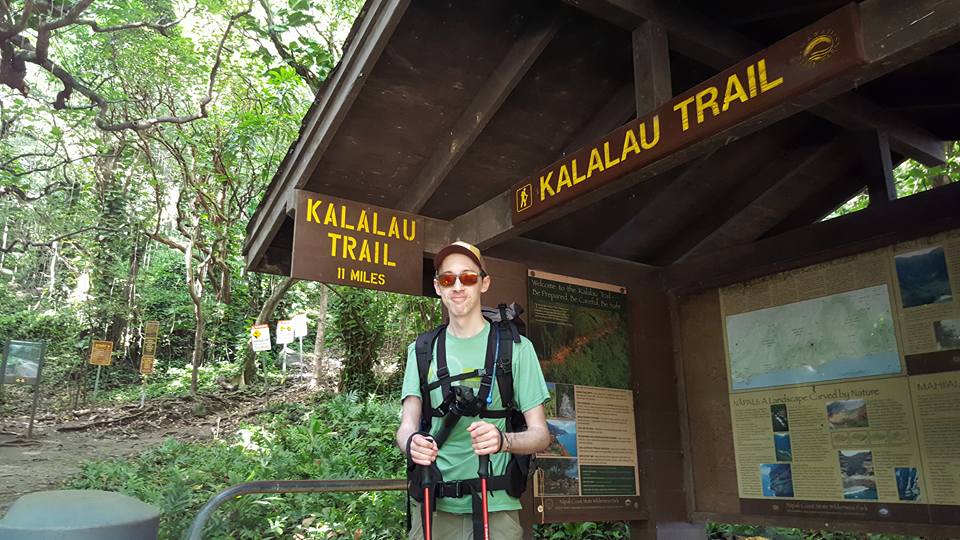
5, 166
22, 195
286, 55
21, 25
29, 244
162, 28
70, 83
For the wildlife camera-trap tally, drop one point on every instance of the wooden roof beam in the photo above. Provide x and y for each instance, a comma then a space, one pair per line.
692, 35
480, 111
892, 39
905, 219
615, 113
745, 222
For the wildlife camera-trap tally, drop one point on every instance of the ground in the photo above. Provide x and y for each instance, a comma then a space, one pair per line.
63, 440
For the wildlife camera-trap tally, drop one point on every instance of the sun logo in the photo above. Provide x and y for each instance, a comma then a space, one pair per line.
820, 46
256, 333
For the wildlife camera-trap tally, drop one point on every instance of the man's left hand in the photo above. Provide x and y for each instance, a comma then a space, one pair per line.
485, 438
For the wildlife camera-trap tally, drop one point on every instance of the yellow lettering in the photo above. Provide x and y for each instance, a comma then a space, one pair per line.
376, 230
349, 244
733, 92
629, 144
343, 218
413, 230
381, 279
656, 133
684, 108
576, 179
394, 231
364, 252
333, 243
752, 81
563, 179
545, 186
386, 255
331, 217
376, 252
312, 210
703, 104
356, 275
762, 75
596, 163
362, 224
606, 156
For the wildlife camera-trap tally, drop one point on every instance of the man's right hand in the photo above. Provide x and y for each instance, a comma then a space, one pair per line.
423, 450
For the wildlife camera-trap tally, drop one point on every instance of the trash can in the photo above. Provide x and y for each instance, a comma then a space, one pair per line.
79, 514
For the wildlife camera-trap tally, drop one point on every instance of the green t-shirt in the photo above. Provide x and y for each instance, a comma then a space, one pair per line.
457, 460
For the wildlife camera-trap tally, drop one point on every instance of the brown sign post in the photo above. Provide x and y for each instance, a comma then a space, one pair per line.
790, 67
345, 242
150, 332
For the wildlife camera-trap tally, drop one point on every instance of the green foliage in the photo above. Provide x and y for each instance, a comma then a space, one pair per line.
581, 531
911, 178
338, 437
723, 531
364, 324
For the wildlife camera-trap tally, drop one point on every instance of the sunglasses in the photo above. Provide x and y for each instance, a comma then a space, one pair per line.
467, 278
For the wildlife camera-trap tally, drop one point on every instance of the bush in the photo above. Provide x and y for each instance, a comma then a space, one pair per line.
339, 437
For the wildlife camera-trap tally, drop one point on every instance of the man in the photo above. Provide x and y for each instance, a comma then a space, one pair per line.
460, 280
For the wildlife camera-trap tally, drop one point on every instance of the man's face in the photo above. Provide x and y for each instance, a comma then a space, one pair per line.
460, 300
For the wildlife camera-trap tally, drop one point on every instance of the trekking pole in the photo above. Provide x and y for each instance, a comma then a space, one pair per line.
427, 517
483, 473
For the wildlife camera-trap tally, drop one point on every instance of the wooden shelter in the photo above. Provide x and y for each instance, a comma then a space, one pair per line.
444, 109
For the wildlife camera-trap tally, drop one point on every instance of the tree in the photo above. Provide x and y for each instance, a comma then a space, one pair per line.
28, 29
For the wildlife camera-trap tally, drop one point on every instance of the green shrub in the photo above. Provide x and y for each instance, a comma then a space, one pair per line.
581, 531
338, 437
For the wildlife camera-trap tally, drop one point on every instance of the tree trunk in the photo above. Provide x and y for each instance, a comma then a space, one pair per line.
319, 346
266, 312
52, 272
197, 347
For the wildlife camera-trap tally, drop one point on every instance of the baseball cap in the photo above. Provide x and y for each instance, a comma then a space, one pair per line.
470, 250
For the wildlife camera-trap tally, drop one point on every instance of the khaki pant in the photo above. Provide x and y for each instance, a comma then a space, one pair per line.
503, 525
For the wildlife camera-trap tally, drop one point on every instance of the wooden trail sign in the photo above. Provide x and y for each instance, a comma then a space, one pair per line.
788, 68
150, 331
101, 353
346, 242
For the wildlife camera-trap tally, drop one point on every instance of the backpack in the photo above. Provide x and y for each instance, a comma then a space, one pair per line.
505, 331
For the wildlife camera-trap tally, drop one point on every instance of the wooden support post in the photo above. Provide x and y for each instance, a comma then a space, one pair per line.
651, 67
877, 166
479, 112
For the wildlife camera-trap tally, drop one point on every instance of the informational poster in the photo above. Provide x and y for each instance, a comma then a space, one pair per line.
300, 325
927, 281
260, 337
284, 332
21, 362
101, 353
579, 331
844, 383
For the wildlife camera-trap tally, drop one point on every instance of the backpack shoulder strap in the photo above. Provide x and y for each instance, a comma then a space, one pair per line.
504, 368
424, 350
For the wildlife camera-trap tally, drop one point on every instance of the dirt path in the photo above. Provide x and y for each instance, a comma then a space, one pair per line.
52, 456
63, 441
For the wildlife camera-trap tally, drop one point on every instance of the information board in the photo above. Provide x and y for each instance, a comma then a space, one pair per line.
101, 353
844, 386
260, 337
590, 468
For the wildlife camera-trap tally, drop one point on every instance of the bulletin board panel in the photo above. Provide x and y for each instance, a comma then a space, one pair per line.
882, 363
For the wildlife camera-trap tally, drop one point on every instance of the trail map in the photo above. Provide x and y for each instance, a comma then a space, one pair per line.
838, 336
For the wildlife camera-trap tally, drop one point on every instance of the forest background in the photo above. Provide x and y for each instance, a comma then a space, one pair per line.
136, 139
